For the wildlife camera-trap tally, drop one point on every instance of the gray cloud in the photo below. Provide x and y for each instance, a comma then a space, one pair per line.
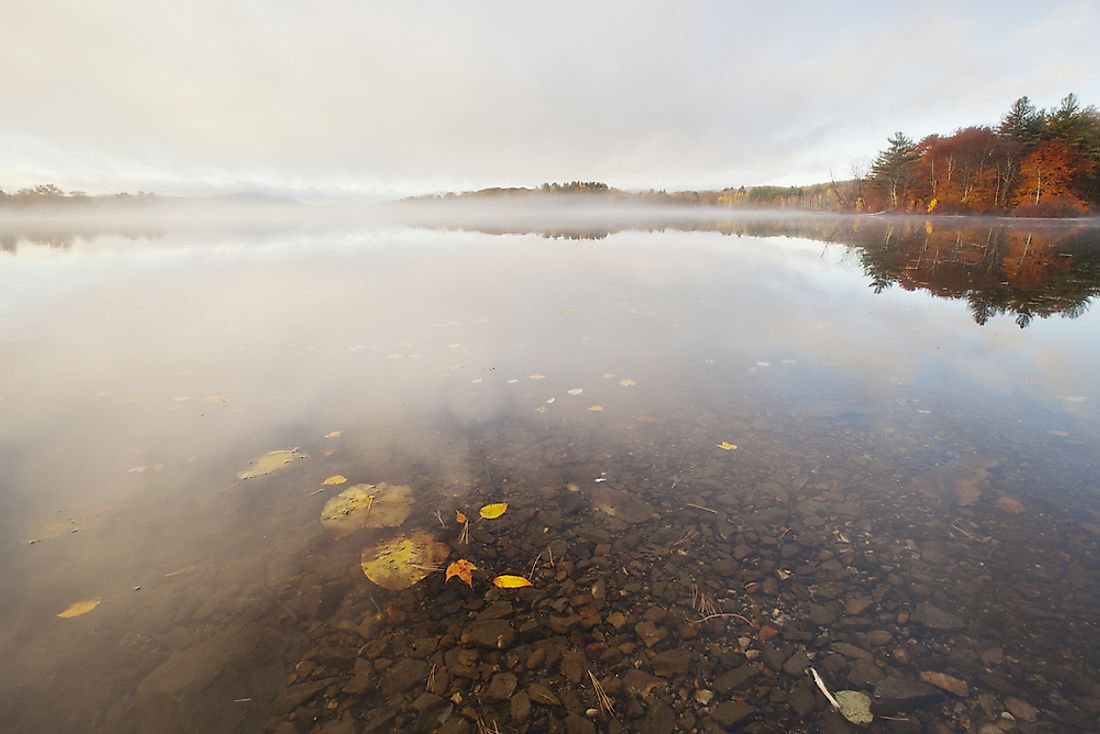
342, 98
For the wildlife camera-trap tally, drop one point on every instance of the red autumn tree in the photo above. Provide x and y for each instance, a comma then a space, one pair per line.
1048, 174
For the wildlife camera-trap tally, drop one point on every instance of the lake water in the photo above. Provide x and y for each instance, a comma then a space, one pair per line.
868, 446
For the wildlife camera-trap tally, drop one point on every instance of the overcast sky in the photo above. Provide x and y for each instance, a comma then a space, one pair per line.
343, 99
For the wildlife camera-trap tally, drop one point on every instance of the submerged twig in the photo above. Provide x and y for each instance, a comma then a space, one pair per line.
606, 705
688, 535
439, 516
821, 685
533, 565
700, 507
718, 615
969, 535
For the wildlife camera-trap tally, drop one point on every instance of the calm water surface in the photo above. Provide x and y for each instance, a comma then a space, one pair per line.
913, 490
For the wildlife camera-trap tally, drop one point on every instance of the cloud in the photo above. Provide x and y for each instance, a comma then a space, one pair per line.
345, 98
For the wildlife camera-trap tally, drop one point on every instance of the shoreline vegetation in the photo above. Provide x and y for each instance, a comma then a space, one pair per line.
1033, 163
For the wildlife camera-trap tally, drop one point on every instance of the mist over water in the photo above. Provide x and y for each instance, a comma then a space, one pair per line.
463, 351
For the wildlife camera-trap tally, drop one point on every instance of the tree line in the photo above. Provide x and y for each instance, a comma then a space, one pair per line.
1034, 162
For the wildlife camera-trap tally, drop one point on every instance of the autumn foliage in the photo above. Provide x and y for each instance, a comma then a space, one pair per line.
1034, 163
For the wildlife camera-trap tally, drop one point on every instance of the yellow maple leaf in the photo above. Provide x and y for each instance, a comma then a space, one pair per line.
459, 517
727, 446
511, 582
81, 607
493, 511
463, 569
335, 479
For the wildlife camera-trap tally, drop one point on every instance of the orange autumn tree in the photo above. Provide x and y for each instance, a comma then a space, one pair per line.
1047, 177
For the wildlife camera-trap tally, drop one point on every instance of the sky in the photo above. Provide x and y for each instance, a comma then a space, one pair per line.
347, 100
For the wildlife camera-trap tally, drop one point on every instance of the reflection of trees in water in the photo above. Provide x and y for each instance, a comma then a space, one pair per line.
999, 268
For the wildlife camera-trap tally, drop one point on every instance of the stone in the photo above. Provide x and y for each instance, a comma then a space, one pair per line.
849, 650
802, 702
520, 707
493, 633
729, 713
572, 666
649, 633
947, 683
575, 724
501, 687
432, 711
1021, 709
897, 695
735, 679
616, 620
672, 662
404, 675
496, 610
542, 695
858, 605
641, 683
796, 664
659, 719
934, 618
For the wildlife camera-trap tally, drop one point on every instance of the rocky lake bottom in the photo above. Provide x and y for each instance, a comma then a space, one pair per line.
748, 493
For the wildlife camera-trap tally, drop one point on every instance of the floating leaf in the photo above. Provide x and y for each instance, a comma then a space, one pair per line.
463, 569
81, 607
459, 517
328, 452
727, 446
855, 706
536, 376
493, 511
270, 462
511, 582
627, 382
333, 434
609, 375
596, 408
576, 391
403, 560
335, 479
367, 506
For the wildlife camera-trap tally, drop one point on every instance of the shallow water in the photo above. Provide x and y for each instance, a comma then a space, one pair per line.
913, 406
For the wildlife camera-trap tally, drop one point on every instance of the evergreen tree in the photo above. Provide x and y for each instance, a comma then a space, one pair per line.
895, 169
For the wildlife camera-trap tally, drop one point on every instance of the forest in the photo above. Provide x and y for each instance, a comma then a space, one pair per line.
1032, 163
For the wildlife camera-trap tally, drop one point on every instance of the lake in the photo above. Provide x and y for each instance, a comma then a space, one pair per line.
733, 449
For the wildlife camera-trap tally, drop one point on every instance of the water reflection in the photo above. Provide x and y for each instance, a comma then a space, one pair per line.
1023, 270
890, 455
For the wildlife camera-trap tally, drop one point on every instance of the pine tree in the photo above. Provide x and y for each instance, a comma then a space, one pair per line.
895, 169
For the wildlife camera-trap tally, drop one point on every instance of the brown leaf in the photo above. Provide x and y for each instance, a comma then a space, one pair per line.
463, 569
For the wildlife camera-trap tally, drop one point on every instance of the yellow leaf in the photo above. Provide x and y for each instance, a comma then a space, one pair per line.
463, 569
493, 511
459, 517
609, 375
627, 382
333, 434
511, 582
595, 408
335, 479
536, 376
727, 446
81, 607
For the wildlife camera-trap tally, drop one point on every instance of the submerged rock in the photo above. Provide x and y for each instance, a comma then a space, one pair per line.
896, 695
